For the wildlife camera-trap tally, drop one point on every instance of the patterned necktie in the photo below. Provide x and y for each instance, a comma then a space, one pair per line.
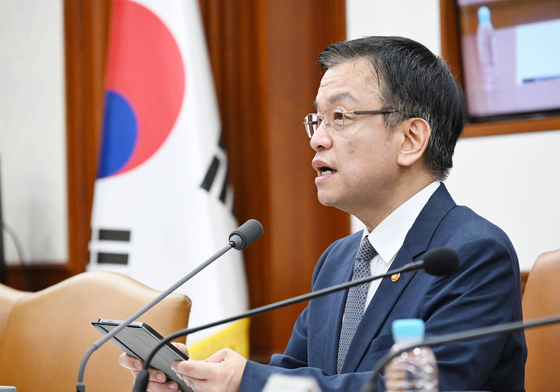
356, 300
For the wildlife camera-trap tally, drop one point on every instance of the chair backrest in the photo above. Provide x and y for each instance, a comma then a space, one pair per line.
8, 298
47, 333
542, 299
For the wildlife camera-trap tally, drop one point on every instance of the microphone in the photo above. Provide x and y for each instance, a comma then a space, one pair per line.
239, 239
246, 234
439, 262
369, 386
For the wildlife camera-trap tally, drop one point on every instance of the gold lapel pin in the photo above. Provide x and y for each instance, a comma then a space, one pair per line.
395, 277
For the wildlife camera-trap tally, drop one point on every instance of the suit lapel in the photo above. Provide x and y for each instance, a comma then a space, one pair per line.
415, 244
337, 310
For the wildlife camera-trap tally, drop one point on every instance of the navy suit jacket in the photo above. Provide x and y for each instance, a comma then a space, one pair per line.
484, 291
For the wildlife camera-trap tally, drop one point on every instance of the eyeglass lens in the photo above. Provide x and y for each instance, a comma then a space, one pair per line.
333, 118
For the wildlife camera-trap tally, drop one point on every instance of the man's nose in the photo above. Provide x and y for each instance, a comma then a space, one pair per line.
321, 139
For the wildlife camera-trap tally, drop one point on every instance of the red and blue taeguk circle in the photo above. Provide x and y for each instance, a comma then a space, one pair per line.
144, 89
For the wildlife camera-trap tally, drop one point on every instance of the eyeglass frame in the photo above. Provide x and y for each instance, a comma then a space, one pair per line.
343, 112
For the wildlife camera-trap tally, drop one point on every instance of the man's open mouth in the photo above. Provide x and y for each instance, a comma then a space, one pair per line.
324, 170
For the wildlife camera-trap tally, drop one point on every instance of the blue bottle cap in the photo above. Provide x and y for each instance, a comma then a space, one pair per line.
484, 14
408, 329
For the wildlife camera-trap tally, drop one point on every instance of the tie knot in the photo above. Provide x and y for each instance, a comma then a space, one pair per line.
366, 251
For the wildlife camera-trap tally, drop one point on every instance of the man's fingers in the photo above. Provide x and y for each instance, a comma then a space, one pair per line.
130, 362
193, 369
182, 347
220, 372
165, 387
158, 379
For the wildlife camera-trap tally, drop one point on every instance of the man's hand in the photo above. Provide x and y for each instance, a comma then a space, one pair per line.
221, 372
158, 380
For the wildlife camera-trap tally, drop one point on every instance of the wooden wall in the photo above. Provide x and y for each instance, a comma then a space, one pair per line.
263, 56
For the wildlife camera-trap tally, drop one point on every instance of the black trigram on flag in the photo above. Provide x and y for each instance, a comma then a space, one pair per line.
211, 174
112, 257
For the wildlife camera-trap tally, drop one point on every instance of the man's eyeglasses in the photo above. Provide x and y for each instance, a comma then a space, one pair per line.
333, 119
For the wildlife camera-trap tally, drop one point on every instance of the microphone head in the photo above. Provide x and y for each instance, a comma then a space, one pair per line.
441, 261
246, 234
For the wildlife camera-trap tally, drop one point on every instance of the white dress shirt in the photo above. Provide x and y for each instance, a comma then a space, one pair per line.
388, 237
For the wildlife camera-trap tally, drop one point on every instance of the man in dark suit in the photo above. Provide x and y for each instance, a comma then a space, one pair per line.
389, 114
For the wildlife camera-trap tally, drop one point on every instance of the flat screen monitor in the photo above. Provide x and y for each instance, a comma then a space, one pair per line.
510, 55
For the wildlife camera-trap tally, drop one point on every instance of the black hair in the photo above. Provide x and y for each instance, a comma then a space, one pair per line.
417, 83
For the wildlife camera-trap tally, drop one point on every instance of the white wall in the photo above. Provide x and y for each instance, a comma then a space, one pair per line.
32, 128
511, 179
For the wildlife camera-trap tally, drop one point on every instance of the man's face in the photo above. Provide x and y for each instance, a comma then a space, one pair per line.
356, 167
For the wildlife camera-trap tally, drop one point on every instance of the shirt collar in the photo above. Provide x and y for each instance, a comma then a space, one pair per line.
388, 237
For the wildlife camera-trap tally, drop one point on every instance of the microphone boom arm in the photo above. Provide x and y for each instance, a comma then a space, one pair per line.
142, 379
80, 386
369, 386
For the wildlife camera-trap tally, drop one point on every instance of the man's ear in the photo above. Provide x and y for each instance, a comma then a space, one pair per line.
414, 141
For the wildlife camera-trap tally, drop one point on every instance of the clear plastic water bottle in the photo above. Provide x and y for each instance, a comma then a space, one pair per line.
414, 370
486, 44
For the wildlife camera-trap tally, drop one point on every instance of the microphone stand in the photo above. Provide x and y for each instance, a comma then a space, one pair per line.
239, 239
143, 375
80, 386
370, 385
